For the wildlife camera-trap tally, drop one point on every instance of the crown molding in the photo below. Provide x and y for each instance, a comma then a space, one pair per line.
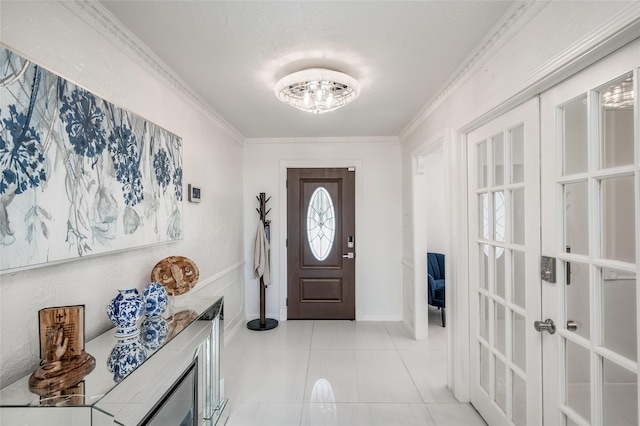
602, 41
509, 25
324, 140
96, 16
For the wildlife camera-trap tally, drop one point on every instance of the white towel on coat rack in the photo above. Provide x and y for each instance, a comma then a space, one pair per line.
261, 255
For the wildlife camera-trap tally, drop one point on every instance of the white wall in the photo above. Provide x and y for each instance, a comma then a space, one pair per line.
378, 236
436, 198
54, 37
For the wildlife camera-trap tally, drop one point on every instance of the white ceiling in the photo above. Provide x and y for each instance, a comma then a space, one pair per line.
231, 54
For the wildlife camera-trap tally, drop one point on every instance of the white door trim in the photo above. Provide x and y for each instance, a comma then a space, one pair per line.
456, 291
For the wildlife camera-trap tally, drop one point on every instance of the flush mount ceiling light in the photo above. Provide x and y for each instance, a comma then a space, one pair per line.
317, 90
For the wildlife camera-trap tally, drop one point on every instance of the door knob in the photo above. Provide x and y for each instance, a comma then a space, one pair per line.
546, 325
572, 325
349, 255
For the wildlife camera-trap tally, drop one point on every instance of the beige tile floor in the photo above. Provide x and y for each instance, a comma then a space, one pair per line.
347, 373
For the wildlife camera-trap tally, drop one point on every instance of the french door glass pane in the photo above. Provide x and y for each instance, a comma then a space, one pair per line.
576, 217
517, 216
484, 317
519, 341
485, 367
501, 384
482, 164
578, 376
570, 422
500, 272
518, 293
500, 327
620, 395
498, 159
619, 222
577, 298
483, 216
619, 312
519, 401
499, 216
517, 154
575, 136
484, 266
617, 101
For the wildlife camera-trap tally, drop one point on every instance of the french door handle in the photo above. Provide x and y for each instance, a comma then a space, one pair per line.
350, 255
568, 269
546, 325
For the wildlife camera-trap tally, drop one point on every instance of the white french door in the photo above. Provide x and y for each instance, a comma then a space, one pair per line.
558, 179
504, 226
590, 180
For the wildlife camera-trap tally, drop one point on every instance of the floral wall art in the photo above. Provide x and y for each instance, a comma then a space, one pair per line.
79, 176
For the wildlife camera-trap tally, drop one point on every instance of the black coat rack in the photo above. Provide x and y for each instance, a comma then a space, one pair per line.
263, 323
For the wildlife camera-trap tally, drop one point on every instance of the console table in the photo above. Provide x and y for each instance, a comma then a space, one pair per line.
191, 351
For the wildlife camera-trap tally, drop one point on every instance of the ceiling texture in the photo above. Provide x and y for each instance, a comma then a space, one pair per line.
230, 54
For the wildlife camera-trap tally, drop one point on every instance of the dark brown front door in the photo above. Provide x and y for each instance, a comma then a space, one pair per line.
321, 244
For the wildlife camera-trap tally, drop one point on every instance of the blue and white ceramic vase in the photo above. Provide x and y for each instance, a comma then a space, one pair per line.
153, 332
125, 357
125, 310
155, 298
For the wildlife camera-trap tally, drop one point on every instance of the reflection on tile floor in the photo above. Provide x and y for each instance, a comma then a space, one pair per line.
347, 373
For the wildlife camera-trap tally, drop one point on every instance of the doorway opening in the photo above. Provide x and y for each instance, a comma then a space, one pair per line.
430, 236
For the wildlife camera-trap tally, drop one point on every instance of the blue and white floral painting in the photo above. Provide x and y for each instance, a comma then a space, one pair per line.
78, 175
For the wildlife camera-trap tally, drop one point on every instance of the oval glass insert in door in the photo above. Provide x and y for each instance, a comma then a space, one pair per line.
321, 223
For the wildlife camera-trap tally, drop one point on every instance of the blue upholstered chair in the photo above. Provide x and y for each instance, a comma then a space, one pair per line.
436, 282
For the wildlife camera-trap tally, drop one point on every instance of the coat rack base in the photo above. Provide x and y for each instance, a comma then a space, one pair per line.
268, 324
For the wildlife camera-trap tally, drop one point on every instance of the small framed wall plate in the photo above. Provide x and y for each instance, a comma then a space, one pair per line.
194, 194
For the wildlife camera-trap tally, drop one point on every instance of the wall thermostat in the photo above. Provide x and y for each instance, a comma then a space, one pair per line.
194, 194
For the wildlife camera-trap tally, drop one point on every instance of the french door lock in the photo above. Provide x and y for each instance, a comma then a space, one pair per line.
546, 325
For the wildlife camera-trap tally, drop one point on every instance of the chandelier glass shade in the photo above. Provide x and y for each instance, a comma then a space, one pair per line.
317, 90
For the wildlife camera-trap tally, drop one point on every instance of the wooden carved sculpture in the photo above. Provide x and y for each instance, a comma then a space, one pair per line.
57, 373
64, 363
177, 274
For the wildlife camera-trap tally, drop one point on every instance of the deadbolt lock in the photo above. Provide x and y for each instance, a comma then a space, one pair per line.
548, 269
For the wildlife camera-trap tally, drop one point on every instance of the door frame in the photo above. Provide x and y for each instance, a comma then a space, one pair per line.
443, 141
281, 231
420, 317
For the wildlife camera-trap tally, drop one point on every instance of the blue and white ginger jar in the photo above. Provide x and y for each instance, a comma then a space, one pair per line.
125, 310
155, 298
153, 332
125, 357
